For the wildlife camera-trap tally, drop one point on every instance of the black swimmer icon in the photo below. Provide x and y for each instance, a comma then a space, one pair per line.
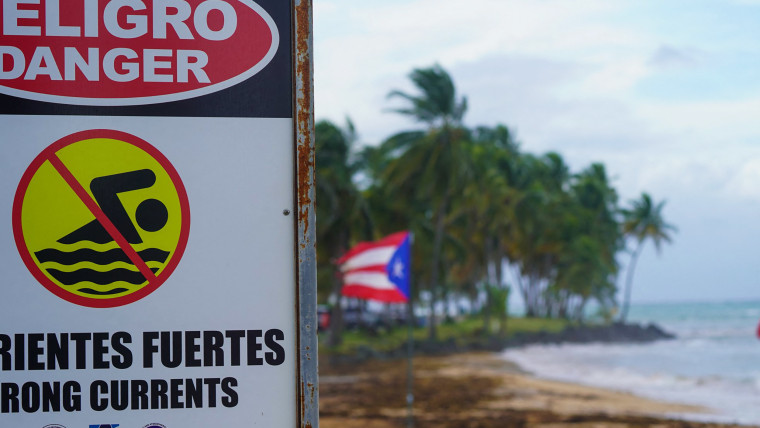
151, 215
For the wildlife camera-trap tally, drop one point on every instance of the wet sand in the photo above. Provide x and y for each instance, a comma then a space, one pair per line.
480, 390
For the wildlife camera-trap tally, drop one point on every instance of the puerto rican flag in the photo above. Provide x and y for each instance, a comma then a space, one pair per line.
378, 270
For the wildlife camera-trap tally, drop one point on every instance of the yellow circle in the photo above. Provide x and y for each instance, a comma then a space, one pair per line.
64, 220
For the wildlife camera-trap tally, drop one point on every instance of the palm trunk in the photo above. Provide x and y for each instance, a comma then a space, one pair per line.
488, 308
534, 289
473, 301
582, 309
487, 314
503, 316
335, 337
445, 298
523, 288
500, 282
629, 282
435, 261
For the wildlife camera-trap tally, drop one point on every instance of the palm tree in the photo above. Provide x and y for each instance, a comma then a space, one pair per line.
343, 215
491, 201
479, 220
437, 105
429, 164
535, 242
643, 222
590, 238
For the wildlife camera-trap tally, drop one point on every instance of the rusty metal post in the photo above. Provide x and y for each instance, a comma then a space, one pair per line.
306, 254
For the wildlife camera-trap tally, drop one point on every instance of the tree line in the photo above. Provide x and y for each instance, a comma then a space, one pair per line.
487, 218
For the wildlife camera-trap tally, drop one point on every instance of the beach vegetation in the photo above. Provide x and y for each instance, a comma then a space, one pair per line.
343, 214
428, 166
643, 221
488, 219
463, 332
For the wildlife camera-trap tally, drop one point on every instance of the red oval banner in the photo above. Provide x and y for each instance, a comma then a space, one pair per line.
130, 52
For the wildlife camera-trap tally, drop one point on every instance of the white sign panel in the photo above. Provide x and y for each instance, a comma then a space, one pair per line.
147, 223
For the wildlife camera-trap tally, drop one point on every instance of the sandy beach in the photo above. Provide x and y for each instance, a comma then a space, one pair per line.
480, 390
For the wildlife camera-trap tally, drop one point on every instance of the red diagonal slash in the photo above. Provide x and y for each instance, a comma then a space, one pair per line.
102, 217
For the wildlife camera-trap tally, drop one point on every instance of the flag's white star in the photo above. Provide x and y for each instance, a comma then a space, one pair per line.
398, 269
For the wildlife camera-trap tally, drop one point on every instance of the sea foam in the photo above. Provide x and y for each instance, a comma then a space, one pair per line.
714, 362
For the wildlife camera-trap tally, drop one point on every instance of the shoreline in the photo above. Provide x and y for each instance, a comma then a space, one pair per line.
609, 400
649, 372
485, 389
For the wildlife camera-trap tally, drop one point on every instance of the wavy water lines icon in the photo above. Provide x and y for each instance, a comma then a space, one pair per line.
112, 223
104, 269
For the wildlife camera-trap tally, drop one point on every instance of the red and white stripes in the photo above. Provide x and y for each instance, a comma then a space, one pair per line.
365, 270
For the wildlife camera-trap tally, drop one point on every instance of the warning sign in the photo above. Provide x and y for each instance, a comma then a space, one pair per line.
116, 117
101, 218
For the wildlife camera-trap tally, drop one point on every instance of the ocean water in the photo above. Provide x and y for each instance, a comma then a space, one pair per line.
714, 362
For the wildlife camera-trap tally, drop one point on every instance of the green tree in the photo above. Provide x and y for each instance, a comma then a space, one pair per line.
343, 215
536, 240
591, 238
643, 221
487, 200
428, 165
475, 204
565, 236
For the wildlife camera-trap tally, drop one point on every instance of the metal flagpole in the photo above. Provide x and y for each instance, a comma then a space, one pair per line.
410, 346
410, 367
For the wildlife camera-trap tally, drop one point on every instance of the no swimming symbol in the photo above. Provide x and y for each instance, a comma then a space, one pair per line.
101, 218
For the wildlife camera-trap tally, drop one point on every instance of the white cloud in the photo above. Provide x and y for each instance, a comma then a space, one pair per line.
705, 123
745, 180
564, 75
366, 48
671, 57
568, 76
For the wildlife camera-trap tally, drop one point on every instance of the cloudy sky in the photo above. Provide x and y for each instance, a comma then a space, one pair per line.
665, 93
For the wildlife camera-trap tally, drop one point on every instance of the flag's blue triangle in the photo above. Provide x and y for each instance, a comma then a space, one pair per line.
399, 268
